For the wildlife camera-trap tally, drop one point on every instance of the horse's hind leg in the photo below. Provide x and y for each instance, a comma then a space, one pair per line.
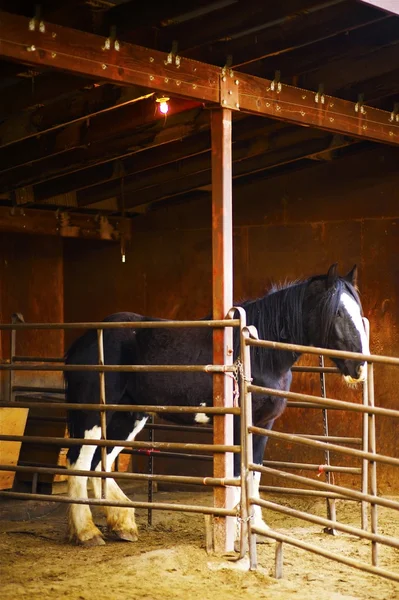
81, 528
120, 521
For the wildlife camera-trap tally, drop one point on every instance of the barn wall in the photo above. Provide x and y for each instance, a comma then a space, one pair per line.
286, 227
31, 275
31, 283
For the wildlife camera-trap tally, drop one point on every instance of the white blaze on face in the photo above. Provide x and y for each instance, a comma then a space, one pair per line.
353, 309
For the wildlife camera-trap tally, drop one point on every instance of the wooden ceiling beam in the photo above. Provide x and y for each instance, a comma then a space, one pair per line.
64, 112
264, 151
83, 53
337, 73
143, 148
345, 47
150, 165
202, 178
300, 30
39, 90
137, 15
84, 142
63, 224
230, 21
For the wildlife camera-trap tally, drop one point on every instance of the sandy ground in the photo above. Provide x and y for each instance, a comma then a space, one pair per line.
169, 561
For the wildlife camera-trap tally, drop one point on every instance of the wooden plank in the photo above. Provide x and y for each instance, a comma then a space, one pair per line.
81, 52
45, 222
12, 422
222, 261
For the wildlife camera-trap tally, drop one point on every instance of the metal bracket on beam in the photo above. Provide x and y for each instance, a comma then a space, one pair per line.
36, 22
359, 108
229, 85
276, 85
24, 195
173, 56
111, 41
395, 113
320, 98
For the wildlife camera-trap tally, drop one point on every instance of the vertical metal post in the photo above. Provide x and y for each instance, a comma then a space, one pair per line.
103, 417
222, 279
150, 471
373, 464
246, 401
244, 505
331, 506
278, 560
365, 443
15, 318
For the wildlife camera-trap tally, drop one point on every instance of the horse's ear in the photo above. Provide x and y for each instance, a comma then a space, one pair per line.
351, 277
332, 275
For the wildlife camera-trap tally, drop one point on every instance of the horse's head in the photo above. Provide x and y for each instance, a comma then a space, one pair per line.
334, 319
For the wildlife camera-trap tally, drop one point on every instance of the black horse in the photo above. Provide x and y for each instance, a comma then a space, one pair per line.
322, 311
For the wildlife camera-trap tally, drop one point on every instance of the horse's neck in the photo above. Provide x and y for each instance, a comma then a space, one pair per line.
282, 323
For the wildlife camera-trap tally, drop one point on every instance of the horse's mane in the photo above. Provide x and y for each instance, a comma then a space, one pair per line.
278, 316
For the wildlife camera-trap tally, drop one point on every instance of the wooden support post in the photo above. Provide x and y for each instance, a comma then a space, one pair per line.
222, 260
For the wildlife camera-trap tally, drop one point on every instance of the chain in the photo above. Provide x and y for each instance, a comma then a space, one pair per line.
238, 372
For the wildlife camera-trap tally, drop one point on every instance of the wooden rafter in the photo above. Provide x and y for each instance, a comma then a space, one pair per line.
83, 53
63, 224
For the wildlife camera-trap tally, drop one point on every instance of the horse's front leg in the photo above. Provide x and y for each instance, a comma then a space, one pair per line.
259, 446
121, 521
81, 528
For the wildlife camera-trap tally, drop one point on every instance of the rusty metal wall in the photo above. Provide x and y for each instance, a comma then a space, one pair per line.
31, 282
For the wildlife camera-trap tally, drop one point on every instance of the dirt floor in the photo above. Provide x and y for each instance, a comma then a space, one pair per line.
169, 561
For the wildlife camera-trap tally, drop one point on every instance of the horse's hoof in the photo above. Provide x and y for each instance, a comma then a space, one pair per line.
97, 540
125, 536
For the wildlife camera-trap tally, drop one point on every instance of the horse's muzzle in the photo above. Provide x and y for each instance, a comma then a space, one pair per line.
356, 373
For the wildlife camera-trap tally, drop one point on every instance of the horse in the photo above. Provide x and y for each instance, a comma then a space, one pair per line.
323, 311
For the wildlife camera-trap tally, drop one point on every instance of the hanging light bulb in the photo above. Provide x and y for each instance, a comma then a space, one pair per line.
163, 104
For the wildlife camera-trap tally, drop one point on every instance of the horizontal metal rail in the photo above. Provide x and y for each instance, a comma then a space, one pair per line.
350, 562
162, 454
275, 489
192, 508
330, 487
190, 428
296, 439
17, 389
371, 358
150, 408
206, 481
298, 514
311, 467
67, 442
326, 402
310, 369
124, 368
36, 359
332, 438
124, 325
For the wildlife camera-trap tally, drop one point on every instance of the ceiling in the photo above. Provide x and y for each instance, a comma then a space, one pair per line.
81, 145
